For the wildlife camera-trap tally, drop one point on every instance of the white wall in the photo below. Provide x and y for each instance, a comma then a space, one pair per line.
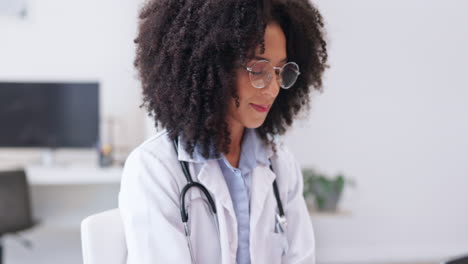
79, 41
394, 116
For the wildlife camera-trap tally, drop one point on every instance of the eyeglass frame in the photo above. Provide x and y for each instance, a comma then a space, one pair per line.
250, 70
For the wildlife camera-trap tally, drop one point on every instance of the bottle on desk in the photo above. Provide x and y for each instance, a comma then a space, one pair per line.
105, 155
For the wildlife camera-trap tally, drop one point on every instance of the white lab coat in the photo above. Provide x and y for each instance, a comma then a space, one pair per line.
149, 204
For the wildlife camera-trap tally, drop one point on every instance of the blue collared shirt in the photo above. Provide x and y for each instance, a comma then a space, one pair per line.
239, 182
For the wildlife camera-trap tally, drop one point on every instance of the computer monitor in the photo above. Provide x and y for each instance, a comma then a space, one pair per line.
49, 115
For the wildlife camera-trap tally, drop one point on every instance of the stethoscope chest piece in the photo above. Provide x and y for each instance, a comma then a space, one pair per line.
281, 223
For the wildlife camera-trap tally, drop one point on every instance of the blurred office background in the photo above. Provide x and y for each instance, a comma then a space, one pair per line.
393, 117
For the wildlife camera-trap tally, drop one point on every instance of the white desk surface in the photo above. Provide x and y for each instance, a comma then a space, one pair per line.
73, 175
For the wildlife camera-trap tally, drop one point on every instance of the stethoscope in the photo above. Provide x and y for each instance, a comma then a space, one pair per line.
281, 222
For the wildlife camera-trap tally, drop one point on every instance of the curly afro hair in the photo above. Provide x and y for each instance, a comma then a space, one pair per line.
186, 57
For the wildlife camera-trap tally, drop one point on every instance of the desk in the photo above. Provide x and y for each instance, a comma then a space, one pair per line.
73, 175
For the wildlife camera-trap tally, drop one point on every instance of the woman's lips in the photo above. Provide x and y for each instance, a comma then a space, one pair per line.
260, 108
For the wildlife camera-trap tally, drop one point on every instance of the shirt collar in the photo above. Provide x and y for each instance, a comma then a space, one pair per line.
253, 146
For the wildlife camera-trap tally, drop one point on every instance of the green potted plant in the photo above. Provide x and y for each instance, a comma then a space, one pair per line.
323, 191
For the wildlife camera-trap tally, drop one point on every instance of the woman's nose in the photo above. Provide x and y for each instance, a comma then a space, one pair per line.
272, 88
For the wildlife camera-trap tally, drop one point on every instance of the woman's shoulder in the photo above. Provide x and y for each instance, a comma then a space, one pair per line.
154, 160
149, 176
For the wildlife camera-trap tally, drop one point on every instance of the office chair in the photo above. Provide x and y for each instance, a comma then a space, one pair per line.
15, 204
457, 260
103, 238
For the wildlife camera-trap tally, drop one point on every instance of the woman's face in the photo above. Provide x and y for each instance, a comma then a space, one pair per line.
249, 114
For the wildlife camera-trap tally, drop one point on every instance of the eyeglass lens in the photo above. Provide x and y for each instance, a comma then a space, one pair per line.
262, 73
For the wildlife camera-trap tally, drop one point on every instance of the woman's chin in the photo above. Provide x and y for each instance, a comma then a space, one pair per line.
254, 123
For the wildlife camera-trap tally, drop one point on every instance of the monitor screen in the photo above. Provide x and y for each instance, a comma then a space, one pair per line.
49, 115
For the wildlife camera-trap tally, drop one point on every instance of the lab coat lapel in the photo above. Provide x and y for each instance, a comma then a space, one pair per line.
211, 177
262, 184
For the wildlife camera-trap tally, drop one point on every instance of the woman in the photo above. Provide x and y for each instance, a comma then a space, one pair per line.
225, 79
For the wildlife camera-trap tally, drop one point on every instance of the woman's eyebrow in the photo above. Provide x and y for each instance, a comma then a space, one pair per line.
262, 58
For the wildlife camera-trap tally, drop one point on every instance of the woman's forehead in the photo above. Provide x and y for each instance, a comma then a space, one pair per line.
275, 45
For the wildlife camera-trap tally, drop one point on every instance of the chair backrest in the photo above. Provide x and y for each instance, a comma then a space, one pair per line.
15, 204
457, 260
103, 239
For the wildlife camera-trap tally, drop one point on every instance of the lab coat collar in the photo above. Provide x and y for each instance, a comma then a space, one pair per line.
262, 151
183, 155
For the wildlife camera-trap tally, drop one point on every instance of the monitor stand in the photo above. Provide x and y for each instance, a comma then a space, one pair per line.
48, 157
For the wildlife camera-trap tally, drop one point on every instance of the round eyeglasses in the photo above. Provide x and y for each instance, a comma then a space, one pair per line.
261, 73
